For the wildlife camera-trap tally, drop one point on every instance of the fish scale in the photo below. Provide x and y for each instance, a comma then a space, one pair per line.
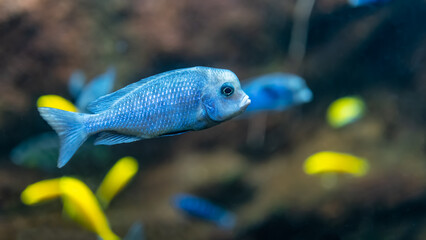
151, 111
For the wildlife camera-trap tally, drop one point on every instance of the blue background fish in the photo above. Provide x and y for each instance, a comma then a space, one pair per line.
76, 83
198, 207
98, 87
40, 151
358, 3
165, 104
135, 232
276, 92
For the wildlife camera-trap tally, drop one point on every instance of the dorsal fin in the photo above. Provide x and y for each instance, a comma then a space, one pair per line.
105, 102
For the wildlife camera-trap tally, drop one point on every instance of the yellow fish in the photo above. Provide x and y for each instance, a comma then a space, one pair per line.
55, 101
81, 205
116, 179
326, 162
41, 191
344, 111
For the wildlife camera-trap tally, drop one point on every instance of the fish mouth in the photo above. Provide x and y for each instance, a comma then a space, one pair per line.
245, 102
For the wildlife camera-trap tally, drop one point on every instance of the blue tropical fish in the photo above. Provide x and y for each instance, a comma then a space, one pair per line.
76, 83
135, 232
276, 92
203, 209
40, 152
358, 3
98, 87
166, 104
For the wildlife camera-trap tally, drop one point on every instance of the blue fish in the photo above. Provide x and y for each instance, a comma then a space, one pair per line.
203, 209
76, 83
96, 88
135, 232
276, 92
359, 3
162, 105
40, 151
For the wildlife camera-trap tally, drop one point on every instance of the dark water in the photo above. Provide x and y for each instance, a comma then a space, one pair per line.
377, 52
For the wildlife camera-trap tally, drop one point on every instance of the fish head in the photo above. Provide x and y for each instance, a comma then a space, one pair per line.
223, 97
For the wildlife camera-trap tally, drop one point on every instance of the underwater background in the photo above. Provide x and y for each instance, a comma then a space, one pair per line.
374, 52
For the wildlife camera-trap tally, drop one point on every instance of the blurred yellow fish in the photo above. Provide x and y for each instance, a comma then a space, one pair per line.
81, 205
55, 101
116, 179
41, 191
344, 111
326, 162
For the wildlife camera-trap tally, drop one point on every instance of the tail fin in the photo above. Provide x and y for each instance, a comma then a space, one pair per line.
70, 129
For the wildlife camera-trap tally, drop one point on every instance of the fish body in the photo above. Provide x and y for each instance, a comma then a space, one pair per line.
135, 232
276, 92
162, 105
358, 3
203, 209
116, 179
55, 101
336, 162
345, 110
40, 151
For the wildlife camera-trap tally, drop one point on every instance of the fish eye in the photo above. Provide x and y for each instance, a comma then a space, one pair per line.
227, 89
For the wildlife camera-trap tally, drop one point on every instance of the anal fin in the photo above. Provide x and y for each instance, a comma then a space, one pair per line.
111, 138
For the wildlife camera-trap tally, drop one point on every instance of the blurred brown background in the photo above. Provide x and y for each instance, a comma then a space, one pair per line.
377, 52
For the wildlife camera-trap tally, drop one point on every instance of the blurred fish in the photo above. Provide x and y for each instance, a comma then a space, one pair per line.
79, 203
76, 83
57, 102
359, 3
41, 191
116, 179
326, 162
40, 152
162, 105
276, 92
203, 209
135, 232
98, 87
344, 111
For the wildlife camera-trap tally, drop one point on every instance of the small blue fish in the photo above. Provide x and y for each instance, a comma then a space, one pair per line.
198, 207
276, 92
135, 232
76, 83
359, 3
96, 88
40, 151
166, 104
